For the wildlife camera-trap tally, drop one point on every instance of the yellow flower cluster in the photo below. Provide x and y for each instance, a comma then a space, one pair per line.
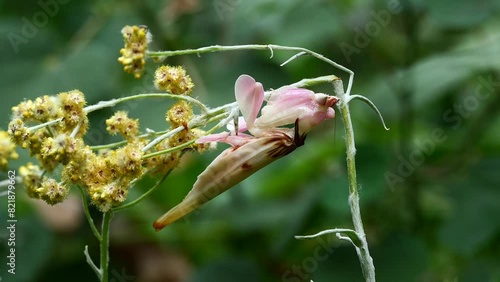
7, 150
133, 54
50, 144
31, 176
51, 191
42, 187
19, 133
173, 80
178, 115
105, 176
72, 104
52, 129
66, 105
121, 123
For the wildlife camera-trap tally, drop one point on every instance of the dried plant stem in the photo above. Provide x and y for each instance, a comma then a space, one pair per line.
362, 250
270, 47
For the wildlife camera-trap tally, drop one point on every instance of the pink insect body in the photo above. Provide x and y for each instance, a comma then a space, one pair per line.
249, 153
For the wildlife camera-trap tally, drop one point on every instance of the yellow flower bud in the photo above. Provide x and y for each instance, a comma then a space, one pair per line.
7, 150
173, 80
132, 57
121, 123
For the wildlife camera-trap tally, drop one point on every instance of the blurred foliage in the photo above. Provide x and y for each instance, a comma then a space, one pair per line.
429, 65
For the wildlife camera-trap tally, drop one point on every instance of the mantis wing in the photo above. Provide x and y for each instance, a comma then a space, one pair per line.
231, 167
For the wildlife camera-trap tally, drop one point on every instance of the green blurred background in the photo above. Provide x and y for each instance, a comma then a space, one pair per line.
429, 187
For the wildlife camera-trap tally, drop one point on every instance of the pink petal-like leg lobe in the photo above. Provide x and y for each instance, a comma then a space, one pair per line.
249, 96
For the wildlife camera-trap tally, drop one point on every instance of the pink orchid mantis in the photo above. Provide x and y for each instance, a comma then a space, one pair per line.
267, 142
